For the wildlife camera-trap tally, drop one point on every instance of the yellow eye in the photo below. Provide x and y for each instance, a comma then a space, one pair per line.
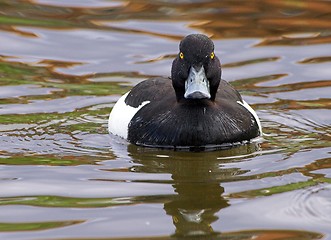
181, 55
212, 55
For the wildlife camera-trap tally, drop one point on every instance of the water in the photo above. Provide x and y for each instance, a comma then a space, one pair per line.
63, 65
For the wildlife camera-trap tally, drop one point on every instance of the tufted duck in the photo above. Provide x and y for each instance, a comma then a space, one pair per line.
195, 108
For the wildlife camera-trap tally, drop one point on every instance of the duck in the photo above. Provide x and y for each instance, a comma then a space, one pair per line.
193, 108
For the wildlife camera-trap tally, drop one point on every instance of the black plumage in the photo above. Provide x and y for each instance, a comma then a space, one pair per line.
171, 120
166, 122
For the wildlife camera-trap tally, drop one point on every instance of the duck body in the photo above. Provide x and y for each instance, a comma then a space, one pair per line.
193, 108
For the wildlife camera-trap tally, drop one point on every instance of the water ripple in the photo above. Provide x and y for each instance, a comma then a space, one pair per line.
313, 204
24, 90
61, 105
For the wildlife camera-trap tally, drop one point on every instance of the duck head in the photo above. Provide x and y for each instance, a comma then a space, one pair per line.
196, 71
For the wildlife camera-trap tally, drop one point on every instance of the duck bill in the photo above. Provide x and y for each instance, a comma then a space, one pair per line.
197, 85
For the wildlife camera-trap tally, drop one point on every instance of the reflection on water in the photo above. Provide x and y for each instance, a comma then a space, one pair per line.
196, 181
63, 65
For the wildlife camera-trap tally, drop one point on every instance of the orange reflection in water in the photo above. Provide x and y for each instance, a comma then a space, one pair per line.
221, 19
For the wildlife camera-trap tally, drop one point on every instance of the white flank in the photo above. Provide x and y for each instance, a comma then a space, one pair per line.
121, 115
251, 110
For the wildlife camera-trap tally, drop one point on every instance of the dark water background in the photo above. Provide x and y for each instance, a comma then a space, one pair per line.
63, 65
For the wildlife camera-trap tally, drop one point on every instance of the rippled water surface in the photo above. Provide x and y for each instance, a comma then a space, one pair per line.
63, 65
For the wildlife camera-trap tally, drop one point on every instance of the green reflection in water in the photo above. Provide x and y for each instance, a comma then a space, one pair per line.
279, 189
282, 234
9, 20
34, 226
58, 201
14, 73
47, 160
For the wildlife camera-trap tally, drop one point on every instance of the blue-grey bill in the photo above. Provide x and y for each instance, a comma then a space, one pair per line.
197, 85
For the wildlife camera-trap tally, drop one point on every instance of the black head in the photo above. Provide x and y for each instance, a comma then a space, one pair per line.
196, 71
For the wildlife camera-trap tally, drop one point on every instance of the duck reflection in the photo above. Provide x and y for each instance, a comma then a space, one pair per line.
197, 179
